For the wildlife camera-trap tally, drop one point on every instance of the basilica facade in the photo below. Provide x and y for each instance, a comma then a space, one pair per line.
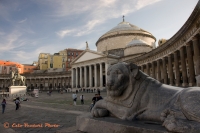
176, 62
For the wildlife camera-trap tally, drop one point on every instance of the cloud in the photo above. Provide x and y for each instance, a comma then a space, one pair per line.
100, 12
8, 42
22, 21
63, 33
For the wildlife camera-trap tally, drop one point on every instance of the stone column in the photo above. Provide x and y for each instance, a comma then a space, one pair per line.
44, 84
164, 70
48, 84
170, 70
72, 75
142, 68
57, 83
90, 75
81, 82
183, 66
158, 70
85, 76
77, 77
106, 70
95, 75
153, 70
148, 70
196, 59
101, 75
39, 80
190, 65
177, 70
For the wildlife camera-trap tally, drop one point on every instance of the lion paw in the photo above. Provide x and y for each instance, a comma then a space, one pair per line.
99, 112
174, 125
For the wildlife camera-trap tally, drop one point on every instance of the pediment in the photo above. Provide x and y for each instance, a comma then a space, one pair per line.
88, 56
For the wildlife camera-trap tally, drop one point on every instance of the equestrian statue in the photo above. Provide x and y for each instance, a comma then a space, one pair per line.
15, 76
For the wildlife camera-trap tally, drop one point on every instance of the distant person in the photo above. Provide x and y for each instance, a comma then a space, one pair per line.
74, 96
82, 99
17, 102
3, 104
99, 97
50, 92
98, 90
94, 99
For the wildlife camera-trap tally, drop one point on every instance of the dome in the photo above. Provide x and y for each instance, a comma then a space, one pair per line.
124, 26
136, 42
118, 37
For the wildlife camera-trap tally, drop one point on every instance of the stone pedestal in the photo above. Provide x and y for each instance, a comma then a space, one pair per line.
198, 80
86, 123
15, 91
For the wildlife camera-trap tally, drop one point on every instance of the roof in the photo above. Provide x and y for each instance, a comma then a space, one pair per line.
137, 42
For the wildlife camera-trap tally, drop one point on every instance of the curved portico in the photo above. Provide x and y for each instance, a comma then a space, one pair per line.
177, 61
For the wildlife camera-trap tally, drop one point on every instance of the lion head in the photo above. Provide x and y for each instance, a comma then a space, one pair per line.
118, 78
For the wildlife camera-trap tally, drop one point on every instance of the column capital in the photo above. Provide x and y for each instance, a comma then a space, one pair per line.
163, 58
169, 55
194, 38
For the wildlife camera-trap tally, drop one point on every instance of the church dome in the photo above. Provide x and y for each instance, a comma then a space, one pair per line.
136, 42
118, 37
124, 26
137, 46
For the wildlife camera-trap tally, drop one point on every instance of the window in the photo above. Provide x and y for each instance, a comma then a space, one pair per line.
72, 53
63, 59
68, 60
51, 65
76, 54
69, 53
63, 65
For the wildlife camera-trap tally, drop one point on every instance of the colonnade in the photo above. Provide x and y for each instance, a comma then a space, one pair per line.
53, 83
89, 76
180, 68
42, 83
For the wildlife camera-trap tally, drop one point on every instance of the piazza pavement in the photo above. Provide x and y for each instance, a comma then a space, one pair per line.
45, 114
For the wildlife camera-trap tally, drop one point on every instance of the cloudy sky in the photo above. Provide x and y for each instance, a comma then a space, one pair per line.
30, 27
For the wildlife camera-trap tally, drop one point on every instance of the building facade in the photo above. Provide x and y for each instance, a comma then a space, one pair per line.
175, 62
71, 55
43, 61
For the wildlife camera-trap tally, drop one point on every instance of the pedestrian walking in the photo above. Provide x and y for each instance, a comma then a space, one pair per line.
3, 104
17, 102
82, 99
74, 96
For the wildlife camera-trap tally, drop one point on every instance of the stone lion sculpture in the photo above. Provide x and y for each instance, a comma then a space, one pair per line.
133, 95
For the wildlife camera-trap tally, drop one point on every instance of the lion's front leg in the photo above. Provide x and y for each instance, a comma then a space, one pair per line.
174, 123
100, 109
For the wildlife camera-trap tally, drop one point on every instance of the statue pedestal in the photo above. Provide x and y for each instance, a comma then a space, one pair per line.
15, 91
87, 123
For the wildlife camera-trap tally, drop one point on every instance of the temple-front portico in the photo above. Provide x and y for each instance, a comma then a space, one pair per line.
89, 70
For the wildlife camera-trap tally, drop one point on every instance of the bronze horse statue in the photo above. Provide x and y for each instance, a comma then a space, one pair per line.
15, 76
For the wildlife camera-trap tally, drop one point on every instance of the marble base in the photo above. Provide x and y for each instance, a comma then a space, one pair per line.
16, 91
86, 123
